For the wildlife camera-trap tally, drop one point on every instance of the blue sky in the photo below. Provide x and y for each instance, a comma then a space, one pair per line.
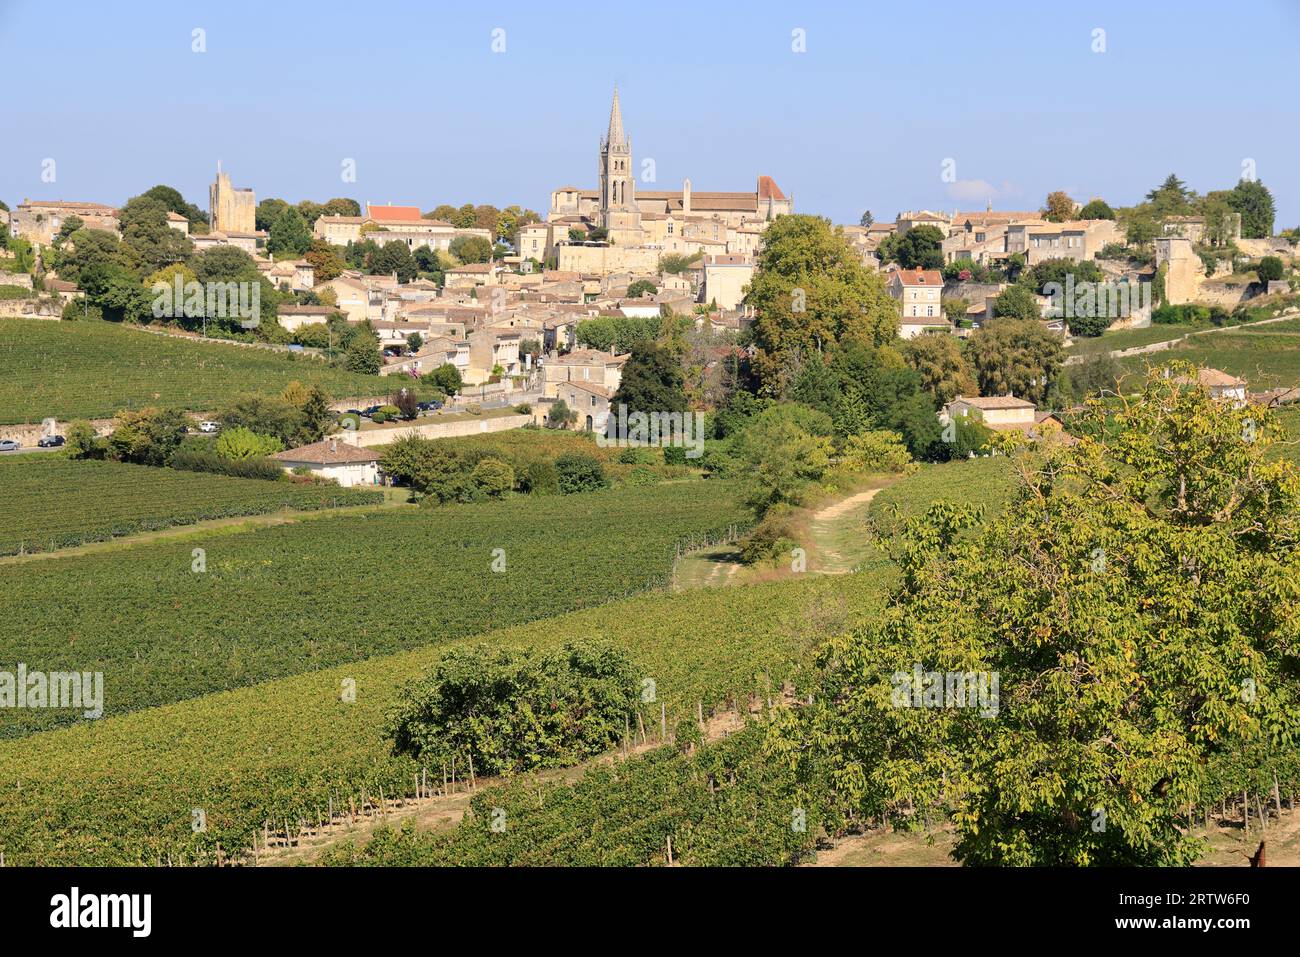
864, 119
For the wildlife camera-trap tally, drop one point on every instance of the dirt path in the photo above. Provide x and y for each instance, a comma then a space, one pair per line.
445, 811
829, 535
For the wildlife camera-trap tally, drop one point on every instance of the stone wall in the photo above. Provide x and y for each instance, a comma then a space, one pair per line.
436, 430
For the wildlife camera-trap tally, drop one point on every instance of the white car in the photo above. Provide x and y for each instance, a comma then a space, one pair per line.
209, 426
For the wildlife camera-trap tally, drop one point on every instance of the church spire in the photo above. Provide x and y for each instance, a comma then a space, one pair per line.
615, 135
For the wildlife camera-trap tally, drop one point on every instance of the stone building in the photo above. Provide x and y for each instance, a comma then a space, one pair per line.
233, 210
40, 221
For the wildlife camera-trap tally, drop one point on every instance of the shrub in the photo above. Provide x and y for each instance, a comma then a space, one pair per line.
512, 711
773, 536
641, 476
879, 450
541, 478
243, 443
579, 472
193, 460
674, 455
1269, 269
493, 478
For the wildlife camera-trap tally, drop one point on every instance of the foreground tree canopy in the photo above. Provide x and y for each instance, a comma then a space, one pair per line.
1139, 605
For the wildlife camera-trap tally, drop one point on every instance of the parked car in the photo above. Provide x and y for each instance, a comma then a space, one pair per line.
428, 406
50, 441
9, 445
209, 426
370, 410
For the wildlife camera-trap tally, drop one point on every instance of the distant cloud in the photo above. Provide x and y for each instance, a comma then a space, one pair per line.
972, 190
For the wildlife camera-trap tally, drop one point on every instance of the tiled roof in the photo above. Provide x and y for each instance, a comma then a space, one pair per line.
327, 452
385, 214
995, 402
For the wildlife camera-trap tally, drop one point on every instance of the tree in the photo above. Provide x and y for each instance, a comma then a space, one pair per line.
492, 477
784, 450
241, 443
325, 260
1255, 203
413, 342
1015, 357
866, 219
173, 201
577, 234
580, 472
446, 378
268, 213
1058, 270
938, 360
675, 264
1171, 198
1141, 229
362, 355
147, 236
651, 382
1018, 302
1059, 207
919, 248
290, 235
560, 415
1096, 209
395, 258
148, 436
1139, 618
407, 403
471, 249
640, 288
1095, 375
811, 290
1269, 269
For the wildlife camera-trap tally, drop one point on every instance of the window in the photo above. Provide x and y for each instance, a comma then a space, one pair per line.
929, 310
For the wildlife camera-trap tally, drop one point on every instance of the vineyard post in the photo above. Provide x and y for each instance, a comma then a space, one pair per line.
1263, 813
663, 722
1245, 812
640, 723
1277, 798
472, 783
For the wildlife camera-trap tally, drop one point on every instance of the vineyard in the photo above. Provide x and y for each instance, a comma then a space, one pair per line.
171, 620
122, 790
52, 502
989, 482
72, 370
725, 805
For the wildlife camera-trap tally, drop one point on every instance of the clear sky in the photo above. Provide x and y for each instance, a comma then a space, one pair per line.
1013, 93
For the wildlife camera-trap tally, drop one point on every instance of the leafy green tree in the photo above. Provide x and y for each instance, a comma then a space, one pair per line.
446, 378
919, 248
1171, 198
1140, 619
784, 451
639, 288
148, 436
471, 249
1056, 271
326, 263
395, 257
1017, 302
866, 219
1059, 207
1015, 356
1269, 269
290, 235
580, 472
1096, 209
492, 477
269, 212
651, 382
241, 443
173, 201
1252, 199
560, 415
363, 355
938, 360
811, 291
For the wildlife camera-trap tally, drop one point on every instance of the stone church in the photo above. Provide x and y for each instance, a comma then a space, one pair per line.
642, 224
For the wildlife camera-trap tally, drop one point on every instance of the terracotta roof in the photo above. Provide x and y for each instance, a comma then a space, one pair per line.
304, 310
384, 214
767, 188
327, 452
919, 277
995, 402
580, 357
1214, 377
341, 219
472, 267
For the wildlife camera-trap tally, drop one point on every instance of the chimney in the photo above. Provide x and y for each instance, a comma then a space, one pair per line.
686, 197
